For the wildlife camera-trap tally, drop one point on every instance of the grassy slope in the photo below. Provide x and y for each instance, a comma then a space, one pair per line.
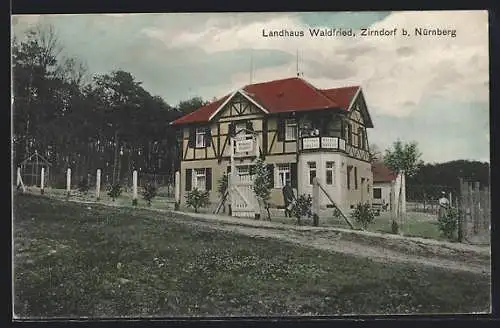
74, 261
415, 225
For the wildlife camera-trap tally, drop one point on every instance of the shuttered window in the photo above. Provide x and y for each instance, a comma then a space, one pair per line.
283, 175
312, 171
281, 130
355, 178
200, 137
191, 138
330, 169
189, 179
290, 130
348, 175
294, 175
208, 137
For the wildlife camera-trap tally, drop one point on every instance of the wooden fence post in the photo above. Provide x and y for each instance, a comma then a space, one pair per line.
486, 208
98, 184
18, 177
42, 180
477, 206
470, 211
20, 180
134, 187
315, 201
68, 183
392, 200
461, 215
177, 190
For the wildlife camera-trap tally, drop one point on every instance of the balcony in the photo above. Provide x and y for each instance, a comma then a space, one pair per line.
333, 143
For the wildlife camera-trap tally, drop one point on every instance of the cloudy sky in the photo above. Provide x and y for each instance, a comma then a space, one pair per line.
433, 90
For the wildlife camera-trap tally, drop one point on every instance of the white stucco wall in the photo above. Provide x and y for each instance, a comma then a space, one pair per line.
335, 189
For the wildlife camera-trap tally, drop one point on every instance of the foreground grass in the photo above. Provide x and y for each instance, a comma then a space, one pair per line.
75, 260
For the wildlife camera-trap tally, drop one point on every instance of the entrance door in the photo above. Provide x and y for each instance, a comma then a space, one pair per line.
243, 200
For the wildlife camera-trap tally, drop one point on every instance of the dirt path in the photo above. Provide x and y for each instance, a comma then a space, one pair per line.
377, 247
336, 242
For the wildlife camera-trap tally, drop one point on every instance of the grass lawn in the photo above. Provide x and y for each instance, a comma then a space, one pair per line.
418, 225
80, 260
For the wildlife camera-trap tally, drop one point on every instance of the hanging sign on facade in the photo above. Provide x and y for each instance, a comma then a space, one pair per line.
244, 145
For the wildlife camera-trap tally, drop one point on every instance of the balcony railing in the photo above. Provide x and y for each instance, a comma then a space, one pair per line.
323, 143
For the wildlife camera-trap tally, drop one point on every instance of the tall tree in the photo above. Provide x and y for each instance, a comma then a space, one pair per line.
433, 178
404, 160
43, 94
190, 105
134, 122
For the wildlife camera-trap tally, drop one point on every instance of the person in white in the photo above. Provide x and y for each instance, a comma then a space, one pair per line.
443, 201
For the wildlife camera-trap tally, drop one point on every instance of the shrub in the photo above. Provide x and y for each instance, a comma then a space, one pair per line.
196, 199
262, 185
302, 207
363, 214
115, 191
448, 222
149, 192
83, 185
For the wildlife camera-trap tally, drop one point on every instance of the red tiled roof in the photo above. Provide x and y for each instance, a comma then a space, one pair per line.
342, 96
292, 94
382, 173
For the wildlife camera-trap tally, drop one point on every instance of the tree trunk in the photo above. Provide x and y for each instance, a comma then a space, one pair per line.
400, 203
115, 157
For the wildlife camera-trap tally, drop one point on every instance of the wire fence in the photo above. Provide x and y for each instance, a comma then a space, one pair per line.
475, 208
85, 183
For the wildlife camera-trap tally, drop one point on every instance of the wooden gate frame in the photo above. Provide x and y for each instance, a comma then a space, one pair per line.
232, 187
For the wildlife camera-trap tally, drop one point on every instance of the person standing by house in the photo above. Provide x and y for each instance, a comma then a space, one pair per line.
288, 198
443, 204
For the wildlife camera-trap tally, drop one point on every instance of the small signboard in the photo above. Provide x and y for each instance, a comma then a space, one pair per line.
244, 146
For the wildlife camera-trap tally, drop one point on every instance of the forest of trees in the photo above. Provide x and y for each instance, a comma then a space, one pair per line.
432, 179
85, 122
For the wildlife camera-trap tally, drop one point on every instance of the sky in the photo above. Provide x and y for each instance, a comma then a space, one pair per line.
430, 89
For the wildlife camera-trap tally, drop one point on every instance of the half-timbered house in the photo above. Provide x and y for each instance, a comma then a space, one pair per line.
302, 132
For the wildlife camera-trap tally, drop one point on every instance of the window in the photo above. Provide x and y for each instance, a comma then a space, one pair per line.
200, 137
290, 130
199, 179
377, 193
349, 133
244, 170
312, 171
349, 168
283, 175
330, 167
361, 138
355, 178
